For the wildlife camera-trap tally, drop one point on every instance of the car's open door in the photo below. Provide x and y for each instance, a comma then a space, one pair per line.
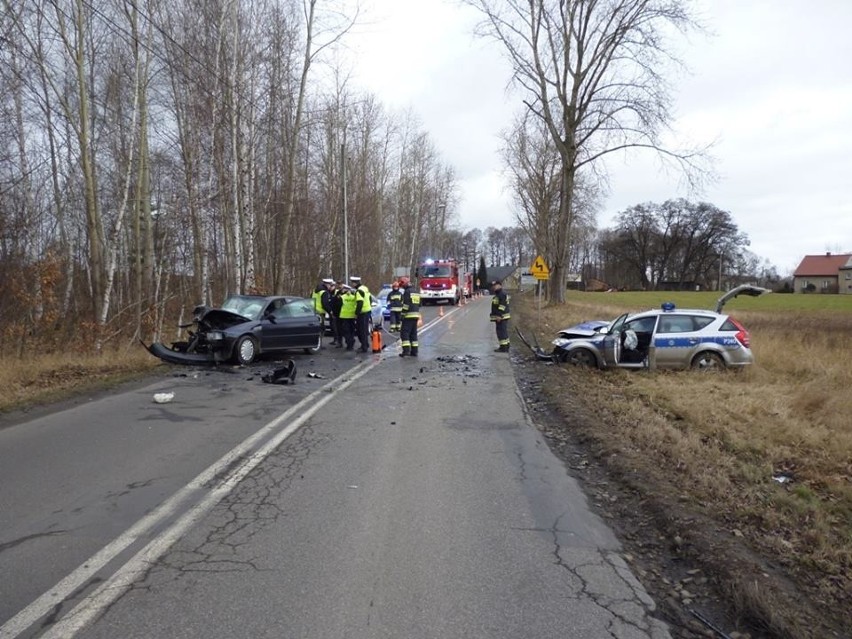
612, 342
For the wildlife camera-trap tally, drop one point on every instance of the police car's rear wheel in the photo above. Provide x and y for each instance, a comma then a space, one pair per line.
708, 361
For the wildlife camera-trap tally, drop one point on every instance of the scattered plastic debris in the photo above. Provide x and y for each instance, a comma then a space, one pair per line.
316, 376
782, 478
163, 398
457, 359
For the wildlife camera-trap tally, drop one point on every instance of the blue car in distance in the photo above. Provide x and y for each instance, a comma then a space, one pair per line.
383, 301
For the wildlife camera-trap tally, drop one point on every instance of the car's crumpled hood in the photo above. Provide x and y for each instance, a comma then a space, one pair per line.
586, 329
219, 318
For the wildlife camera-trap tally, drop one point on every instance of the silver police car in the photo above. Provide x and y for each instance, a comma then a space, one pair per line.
667, 337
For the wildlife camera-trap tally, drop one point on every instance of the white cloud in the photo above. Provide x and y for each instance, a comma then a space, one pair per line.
772, 87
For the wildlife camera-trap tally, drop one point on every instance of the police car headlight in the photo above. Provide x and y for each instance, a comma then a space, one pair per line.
215, 336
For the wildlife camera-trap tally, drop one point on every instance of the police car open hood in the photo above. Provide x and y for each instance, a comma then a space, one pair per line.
744, 289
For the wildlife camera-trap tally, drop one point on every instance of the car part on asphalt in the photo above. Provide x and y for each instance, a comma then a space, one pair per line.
281, 375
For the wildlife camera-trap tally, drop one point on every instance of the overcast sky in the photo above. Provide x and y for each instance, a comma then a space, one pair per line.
770, 84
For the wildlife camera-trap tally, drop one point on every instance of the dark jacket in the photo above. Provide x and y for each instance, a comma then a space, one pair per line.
410, 303
336, 302
395, 300
499, 306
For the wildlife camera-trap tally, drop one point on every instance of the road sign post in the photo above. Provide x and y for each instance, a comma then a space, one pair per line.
540, 272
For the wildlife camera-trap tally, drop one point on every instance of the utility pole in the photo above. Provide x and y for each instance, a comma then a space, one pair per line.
345, 212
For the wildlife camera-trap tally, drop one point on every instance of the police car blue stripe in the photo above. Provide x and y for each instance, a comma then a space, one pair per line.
686, 342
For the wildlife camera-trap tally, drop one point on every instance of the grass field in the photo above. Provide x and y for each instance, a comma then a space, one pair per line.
724, 441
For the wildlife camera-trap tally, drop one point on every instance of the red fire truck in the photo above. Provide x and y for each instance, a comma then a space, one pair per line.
439, 280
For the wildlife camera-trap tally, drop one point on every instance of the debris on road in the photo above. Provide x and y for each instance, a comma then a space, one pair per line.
285, 374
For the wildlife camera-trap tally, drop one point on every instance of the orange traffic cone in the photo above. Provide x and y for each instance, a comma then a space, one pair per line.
419, 322
441, 311
377, 341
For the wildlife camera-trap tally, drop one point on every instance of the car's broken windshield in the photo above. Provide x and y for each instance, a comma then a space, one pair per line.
245, 306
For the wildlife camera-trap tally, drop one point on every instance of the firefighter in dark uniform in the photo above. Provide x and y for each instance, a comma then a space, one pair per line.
410, 318
362, 323
500, 315
394, 304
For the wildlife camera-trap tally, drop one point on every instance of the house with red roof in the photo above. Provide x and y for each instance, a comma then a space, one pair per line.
824, 274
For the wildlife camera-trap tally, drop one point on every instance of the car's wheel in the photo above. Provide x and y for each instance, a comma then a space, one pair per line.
581, 357
708, 361
314, 349
245, 350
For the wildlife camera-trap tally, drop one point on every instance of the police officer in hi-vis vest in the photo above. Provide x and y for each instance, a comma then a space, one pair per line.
322, 303
362, 323
348, 315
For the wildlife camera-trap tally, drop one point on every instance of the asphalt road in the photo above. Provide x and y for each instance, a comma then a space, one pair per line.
380, 497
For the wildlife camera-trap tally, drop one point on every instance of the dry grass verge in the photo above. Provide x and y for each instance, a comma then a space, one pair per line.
716, 446
45, 378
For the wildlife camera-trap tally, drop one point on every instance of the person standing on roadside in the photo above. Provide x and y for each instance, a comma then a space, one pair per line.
410, 318
395, 307
336, 307
348, 315
322, 302
500, 315
332, 311
362, 325
316, 296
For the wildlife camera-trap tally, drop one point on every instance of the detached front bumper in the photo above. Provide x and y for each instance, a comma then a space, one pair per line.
178, 357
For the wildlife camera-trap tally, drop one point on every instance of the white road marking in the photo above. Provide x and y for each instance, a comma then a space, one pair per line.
93, 604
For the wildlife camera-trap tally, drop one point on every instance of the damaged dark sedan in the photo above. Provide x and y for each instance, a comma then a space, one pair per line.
244, 328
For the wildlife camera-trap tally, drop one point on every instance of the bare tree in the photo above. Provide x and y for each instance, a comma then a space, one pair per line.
321, 32
679, 242
591, 70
